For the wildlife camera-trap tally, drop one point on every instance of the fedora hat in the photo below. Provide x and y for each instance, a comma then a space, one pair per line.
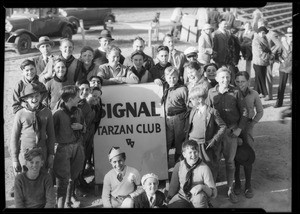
207, 26
114, 151
245, 155
105, 34
31, 88
44, 40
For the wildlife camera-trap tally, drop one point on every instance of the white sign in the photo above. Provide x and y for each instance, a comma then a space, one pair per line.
134, 121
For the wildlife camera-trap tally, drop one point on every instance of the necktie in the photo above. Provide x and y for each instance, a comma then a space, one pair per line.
120, 177
151, 200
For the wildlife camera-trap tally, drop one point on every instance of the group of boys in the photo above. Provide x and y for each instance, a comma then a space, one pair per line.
63, 130
216, 120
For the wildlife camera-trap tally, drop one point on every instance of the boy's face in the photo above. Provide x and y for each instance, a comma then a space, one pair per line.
223, 78
195, 101
35, 165
66, 49
104, 42
211, 72
191, 155
192, 58
45, 49
84, 91
242, 83
262, 34
33, 100
60, 70
87, 57
95, 82
138, 45
29, 72
150, 186
118, 163
172, 79
193, 75
169, 42
163, 56
96, 95
113, 57
138, 61
74, 101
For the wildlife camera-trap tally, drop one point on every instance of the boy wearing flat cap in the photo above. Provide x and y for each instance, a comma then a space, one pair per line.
122, 183
139, 45
151, 197
45, 46
105, 40
28, 76
137, 58
33, 126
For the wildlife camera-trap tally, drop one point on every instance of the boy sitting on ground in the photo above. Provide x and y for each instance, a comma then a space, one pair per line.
192, 183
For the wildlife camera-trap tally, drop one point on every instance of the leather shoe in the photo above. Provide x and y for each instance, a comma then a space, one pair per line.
232, 197
249, 193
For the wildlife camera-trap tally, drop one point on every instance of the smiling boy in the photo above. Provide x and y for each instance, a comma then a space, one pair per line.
192, 183
224, 98
29, 75
120, 184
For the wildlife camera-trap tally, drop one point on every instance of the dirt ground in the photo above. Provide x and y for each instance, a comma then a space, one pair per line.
271, 177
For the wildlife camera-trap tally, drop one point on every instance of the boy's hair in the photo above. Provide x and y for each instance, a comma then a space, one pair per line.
162, 48
167, 35
192, 65
86, 48
140, 39
26, 62
210, 64
111, 48
171, 70
33, 152
200, 91
221, 20
190, 143
243, 73
66, 40
69, 91
100, 78
223, 69
82, 82
59, 59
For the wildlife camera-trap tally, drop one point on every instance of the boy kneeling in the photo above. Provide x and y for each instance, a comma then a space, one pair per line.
193, 178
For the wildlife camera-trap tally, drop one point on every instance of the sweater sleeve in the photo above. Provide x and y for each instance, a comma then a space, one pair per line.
16, 98
50, 193
137, 181
50, 134
15, 138
174, 185
221, 125
259, 109
209, 181
106, 191
18, 196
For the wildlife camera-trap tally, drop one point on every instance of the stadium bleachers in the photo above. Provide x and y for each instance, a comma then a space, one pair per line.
279, 15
